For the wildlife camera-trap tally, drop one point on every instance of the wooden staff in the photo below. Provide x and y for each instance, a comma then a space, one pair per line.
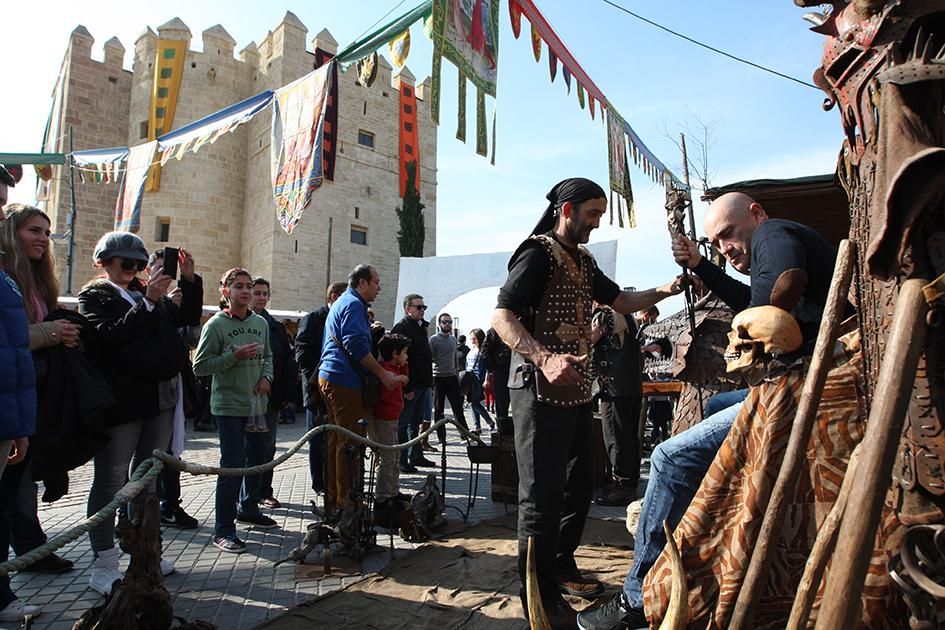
851, 560
796, 454
823, 547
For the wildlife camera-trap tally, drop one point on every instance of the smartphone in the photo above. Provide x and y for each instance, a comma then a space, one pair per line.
170, 261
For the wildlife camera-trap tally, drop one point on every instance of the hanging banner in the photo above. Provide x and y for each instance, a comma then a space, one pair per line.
165, 90
467, 34
296, 145
409, 136
210, 128
330, 131
618, 165
128, 207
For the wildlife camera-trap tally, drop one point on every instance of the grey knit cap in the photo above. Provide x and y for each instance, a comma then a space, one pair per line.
123, 244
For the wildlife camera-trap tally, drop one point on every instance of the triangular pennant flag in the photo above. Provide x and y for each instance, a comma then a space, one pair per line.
399, 48
461, 103
428, 26
590, 104
536, 43
580, 93
567, 76
552, 64
515, 14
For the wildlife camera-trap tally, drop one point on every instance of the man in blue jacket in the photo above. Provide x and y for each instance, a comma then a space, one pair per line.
346, 360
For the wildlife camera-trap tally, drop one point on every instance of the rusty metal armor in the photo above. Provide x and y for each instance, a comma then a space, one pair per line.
884, 64
562, 322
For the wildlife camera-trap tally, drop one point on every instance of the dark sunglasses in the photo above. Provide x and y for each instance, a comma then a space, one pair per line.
422, 307
131, 265
446, 322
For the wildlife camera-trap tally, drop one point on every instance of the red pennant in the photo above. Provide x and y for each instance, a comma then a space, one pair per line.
536, 43
515, 13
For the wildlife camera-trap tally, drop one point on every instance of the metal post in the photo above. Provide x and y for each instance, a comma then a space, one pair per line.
70, 220
328, 261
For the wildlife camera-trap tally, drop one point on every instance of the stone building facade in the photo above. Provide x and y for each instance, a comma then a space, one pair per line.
217, 202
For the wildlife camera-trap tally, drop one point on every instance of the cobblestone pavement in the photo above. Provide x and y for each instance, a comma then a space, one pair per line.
233, 591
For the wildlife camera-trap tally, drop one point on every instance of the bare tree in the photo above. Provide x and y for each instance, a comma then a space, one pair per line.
700, 138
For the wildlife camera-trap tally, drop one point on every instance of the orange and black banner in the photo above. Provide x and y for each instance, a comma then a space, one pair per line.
329, 144
168, 71
409, 137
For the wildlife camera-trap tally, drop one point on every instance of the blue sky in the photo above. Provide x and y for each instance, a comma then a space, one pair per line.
764, 126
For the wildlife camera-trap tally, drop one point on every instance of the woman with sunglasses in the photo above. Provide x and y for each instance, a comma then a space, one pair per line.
141, 359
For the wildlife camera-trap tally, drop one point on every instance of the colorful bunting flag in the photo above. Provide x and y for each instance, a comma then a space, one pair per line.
399, 48
367, 70
567, 76
536, 44
552, 64
580, 93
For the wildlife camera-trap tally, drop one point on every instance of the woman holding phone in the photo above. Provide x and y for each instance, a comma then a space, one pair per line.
234, 348
141, 358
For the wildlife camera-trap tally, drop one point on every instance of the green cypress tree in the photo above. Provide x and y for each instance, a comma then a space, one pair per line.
412, 232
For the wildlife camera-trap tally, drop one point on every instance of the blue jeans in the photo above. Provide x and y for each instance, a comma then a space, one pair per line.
677, 468
238, 448
475, 403
408, 426
316, 451
724, 399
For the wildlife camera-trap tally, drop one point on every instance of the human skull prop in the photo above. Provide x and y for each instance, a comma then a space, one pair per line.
760, 333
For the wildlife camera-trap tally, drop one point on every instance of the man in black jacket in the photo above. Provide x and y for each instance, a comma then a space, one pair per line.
420, 362
498, 357
308, 354
284, 380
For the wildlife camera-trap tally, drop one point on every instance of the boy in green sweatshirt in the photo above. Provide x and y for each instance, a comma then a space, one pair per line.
234, 349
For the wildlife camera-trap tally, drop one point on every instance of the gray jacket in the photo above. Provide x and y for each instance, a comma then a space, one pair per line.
443, 348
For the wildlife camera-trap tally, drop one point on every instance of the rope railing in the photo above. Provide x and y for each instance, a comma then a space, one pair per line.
150, 468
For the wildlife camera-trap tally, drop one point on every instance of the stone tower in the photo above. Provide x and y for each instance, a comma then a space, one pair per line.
217, 202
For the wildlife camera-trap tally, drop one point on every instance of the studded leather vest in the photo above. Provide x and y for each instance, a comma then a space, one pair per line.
562, 322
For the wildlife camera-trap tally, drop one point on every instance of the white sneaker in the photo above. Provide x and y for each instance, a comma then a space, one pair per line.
167, 567
105, 572
17, 611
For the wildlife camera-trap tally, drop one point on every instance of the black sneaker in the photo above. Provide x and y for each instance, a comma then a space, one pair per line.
408, 468
229, 544
614, 615
618, 495
50, 564
259, 520
179, 519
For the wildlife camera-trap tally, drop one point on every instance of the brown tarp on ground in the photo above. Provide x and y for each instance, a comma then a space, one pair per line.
467, 580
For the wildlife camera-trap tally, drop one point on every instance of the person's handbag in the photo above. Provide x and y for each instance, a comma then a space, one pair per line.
370, 384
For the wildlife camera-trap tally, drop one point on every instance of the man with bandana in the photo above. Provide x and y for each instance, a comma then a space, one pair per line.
544, 315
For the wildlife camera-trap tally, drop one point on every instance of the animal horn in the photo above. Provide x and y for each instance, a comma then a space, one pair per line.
677, 615
537, 618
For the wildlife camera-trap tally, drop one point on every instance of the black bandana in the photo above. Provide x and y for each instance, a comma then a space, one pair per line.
575, 190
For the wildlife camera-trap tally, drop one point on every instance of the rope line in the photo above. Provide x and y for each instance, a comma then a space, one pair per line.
150, 468
708, 47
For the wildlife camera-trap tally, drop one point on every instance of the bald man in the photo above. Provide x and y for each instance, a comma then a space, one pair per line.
790, 266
